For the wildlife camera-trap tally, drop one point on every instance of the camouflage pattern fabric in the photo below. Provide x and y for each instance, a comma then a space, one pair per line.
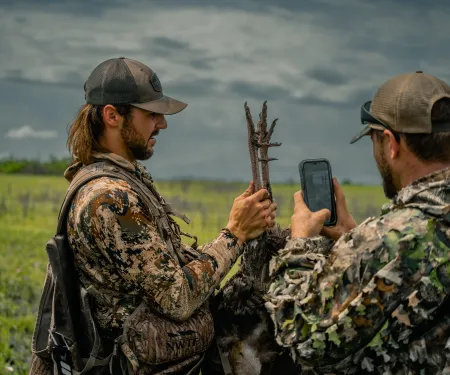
377, 300
117, 248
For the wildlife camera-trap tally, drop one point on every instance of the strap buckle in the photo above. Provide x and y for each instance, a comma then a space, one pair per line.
61, 355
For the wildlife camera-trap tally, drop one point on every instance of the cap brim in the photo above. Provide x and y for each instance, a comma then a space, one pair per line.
366, 131
165, 106
361, 134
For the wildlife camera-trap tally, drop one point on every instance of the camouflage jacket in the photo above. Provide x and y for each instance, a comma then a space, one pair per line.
117, 248
377, 300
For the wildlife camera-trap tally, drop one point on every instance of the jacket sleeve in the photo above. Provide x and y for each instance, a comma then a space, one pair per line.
115, 222
357, 303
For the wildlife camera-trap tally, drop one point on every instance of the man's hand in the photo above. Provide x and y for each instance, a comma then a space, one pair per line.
251, 214
345, 221
305, 223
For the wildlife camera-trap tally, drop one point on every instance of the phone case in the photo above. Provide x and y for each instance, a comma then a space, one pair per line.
333, 219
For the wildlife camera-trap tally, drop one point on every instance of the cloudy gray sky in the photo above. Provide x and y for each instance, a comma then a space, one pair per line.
315, 62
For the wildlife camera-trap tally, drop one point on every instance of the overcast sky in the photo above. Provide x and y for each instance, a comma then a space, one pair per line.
315, 62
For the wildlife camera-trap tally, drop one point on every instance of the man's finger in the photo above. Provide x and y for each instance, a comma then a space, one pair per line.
260, 195
331, 233
326, 231
270, 221
340, 197
266, 204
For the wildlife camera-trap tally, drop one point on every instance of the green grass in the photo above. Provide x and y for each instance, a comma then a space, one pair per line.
29, 207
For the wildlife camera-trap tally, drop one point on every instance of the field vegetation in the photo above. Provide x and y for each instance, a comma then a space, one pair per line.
29, 206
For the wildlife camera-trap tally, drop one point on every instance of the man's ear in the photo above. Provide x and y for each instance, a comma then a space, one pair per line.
111, 117
393, 144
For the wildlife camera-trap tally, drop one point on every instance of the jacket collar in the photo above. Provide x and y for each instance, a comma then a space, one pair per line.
135, 167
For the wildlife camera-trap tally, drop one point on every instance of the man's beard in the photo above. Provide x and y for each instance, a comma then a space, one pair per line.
135, 142
388, 179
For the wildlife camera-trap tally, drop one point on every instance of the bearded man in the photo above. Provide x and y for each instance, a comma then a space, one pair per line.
149, 290
378, 300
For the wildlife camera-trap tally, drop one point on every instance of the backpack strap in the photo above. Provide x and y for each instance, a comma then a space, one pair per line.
81, 178
94, 171
92, 361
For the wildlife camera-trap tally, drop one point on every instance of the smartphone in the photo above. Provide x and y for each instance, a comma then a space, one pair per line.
317, 186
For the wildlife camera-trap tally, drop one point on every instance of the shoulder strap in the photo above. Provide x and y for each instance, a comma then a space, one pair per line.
81, 178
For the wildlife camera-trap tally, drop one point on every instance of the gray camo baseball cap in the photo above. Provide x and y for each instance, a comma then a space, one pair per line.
126, 81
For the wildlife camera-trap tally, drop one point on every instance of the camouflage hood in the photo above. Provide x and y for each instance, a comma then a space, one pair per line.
430, 194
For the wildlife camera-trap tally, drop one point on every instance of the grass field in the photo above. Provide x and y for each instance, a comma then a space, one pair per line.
29, 208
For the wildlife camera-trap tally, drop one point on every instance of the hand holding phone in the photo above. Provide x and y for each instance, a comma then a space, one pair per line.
346, 221
317, 187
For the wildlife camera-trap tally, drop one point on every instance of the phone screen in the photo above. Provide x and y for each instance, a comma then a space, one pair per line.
317, 183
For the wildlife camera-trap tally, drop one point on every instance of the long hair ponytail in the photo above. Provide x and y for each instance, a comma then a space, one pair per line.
85, 131
87, 128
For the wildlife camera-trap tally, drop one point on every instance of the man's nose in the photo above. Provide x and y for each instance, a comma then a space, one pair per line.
162, 123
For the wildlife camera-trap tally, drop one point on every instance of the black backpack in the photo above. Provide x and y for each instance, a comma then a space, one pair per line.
65, 333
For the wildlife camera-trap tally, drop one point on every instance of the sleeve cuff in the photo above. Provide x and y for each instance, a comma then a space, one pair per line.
318, 244
303, 253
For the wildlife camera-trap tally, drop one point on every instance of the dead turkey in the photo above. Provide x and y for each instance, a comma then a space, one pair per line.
245, 343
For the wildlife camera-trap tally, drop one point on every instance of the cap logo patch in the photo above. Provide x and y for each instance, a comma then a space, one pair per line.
156, 84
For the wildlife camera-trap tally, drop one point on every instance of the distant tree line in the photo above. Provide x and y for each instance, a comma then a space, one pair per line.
53, 166
57, 166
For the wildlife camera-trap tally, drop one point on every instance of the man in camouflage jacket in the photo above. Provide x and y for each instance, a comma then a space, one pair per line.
124, 256
377, 299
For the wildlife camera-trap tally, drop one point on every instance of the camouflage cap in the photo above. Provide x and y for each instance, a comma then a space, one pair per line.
125, 81
403, 104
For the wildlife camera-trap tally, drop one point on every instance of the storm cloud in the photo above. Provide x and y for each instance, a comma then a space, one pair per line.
315, 62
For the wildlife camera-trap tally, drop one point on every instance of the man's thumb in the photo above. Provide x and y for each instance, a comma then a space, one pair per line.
323, 214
